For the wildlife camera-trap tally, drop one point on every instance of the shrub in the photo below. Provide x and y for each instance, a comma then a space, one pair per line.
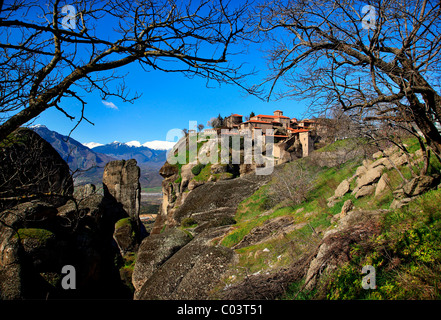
197, 169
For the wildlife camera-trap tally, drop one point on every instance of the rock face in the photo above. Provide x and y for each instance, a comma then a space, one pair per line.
270, 229
121, 182
191, 272
153, 252
30, 167
34, 251
47, 226
169, 264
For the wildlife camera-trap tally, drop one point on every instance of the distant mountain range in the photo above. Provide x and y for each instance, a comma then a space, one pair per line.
88, 160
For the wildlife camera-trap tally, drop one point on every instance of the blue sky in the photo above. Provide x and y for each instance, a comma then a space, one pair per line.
169, 100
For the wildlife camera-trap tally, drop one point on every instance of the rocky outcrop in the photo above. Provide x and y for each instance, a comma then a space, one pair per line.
192, 272
167, 269
271, 229
370, 178
121, 182
216, 201
164, 272
153, 252
335, 246
30, 168
50, 226
34, 251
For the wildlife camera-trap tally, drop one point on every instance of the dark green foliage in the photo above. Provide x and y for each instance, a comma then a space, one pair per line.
197, 168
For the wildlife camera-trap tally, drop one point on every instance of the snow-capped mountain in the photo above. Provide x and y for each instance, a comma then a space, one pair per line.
90, 158
154, 145
159, 145
92, 145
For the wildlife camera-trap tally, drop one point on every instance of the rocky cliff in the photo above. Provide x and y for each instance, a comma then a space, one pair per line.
45, 226
202, 199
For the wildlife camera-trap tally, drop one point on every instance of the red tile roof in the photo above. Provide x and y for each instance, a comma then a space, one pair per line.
298, 130
257, 121
277, 135
267, 116
236, 115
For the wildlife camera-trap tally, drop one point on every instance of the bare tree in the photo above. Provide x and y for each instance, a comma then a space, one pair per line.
292, 183
53, 51
380, 58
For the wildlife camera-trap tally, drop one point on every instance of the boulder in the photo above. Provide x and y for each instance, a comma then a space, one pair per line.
369, 177
365, 191
342, 189
154, 251
361, 170
419, 185
382, 184
125, 236
30, 167
11, 282
377, 155
347, 207
269, 229
192, 272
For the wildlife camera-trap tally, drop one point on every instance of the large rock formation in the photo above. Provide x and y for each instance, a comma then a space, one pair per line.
44, 227
121, 182
122, 188
167, 269
30, 168
191, 272
154, 251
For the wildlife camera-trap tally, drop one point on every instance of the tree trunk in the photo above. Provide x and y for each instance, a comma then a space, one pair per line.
19, 119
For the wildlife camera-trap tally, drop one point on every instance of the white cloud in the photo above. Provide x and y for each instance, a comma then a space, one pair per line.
159, 145
110, 105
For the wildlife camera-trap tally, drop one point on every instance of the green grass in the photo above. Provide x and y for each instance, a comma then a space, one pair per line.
123, 222
204, 173
152, 190
41, 235
406, 255
341, 144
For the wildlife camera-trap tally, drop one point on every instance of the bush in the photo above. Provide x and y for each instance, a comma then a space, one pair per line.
197, 169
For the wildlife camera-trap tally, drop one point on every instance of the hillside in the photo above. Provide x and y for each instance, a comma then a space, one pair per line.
316, 248
307, 230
